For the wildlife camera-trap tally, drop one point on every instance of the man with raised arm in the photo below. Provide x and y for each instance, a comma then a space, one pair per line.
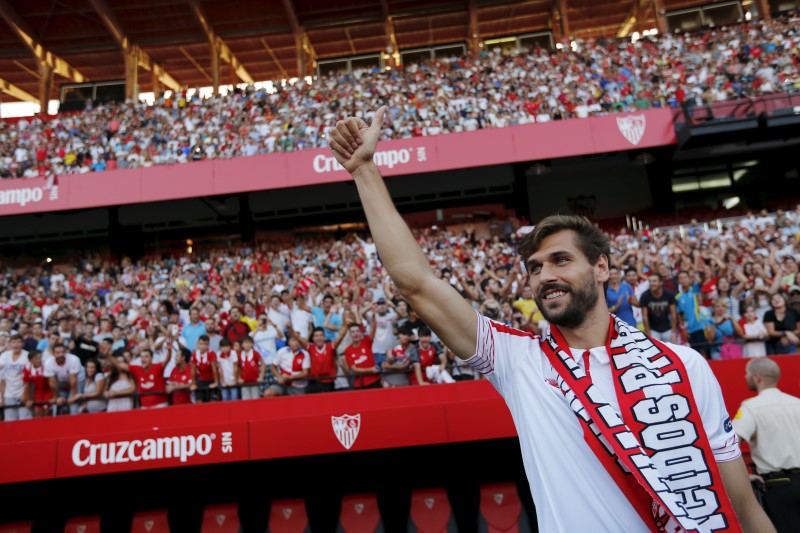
618, 432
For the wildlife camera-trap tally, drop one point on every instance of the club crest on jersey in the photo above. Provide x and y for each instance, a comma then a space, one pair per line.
632, 127
346, 429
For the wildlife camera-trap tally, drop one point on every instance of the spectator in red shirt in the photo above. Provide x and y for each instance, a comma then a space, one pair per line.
204, 370
180, 379
323, 360
430, 365
290, 369
252, 370
360, 360
149, 377
37, 394
236, 330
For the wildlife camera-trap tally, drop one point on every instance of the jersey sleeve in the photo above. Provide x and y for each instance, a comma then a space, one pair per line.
495, 344
708, 396
306, 360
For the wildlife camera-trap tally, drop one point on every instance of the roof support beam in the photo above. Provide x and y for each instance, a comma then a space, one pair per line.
634, 18
392, 48
268, 48
473, 31
219, 49
134, 56
47, 62
763, 9
661, 16
16, 92
306, 56
562, 13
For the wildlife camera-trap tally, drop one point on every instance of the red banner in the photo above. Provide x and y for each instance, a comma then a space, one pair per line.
344, 422
530, 142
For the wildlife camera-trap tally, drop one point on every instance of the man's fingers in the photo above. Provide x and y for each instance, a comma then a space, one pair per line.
354, 126
344, 131
377, 120
339, 149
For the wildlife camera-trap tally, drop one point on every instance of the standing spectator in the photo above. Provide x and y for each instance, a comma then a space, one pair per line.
94, 391
180, 381
755, 333
12, 385
620, 297
327, 318
150, 379
204, 369
37, 395
430, 365
398, 360
120, 390
322, 354
236, 330
264, 338
66, 375
290, 369
82, 346
689, 311
302, 320
383, 322
227, 362
212, 332
783, 326
194, 329
770, 422
658, 311
37, 336
360, 360
723, 332
252, 369
168, 344
278, 313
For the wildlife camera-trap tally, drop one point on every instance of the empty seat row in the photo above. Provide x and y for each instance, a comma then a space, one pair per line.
430, 512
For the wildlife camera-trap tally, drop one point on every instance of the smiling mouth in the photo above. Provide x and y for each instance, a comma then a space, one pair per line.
554, 294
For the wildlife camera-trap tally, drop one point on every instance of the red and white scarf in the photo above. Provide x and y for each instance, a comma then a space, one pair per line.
657, 451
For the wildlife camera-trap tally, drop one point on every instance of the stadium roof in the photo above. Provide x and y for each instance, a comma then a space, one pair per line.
258, 39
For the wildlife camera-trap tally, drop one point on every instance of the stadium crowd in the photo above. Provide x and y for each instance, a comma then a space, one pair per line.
584, 78
320, 315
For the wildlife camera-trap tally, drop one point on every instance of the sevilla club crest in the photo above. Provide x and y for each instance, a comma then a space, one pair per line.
632, 127
346, 428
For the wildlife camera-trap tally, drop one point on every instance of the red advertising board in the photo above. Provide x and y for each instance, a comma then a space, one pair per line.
344, 422
565, 138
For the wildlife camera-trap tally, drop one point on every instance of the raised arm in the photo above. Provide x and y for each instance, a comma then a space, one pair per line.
437, 303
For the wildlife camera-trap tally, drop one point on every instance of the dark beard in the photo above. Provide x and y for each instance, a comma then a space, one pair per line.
581, 302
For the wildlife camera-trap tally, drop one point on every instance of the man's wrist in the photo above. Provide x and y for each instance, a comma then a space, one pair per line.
364, 170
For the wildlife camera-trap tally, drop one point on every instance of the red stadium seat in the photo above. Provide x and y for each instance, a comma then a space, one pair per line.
221, 519
431, 512
501, 510
83, 524
150, 522
288, 516
16, 527
360, 514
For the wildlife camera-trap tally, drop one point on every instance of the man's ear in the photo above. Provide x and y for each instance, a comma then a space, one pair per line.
601, 269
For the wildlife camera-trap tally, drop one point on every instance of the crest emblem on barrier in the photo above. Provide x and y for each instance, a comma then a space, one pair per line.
632, 127
346, 429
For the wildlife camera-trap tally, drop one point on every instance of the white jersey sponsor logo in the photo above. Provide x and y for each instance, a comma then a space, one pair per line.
346, 428
21, 197
183, 447
632, 127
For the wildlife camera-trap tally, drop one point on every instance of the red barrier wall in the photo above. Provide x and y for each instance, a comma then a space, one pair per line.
282, 427
530, 142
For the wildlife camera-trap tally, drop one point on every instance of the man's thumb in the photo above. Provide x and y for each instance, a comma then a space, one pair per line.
377, 120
